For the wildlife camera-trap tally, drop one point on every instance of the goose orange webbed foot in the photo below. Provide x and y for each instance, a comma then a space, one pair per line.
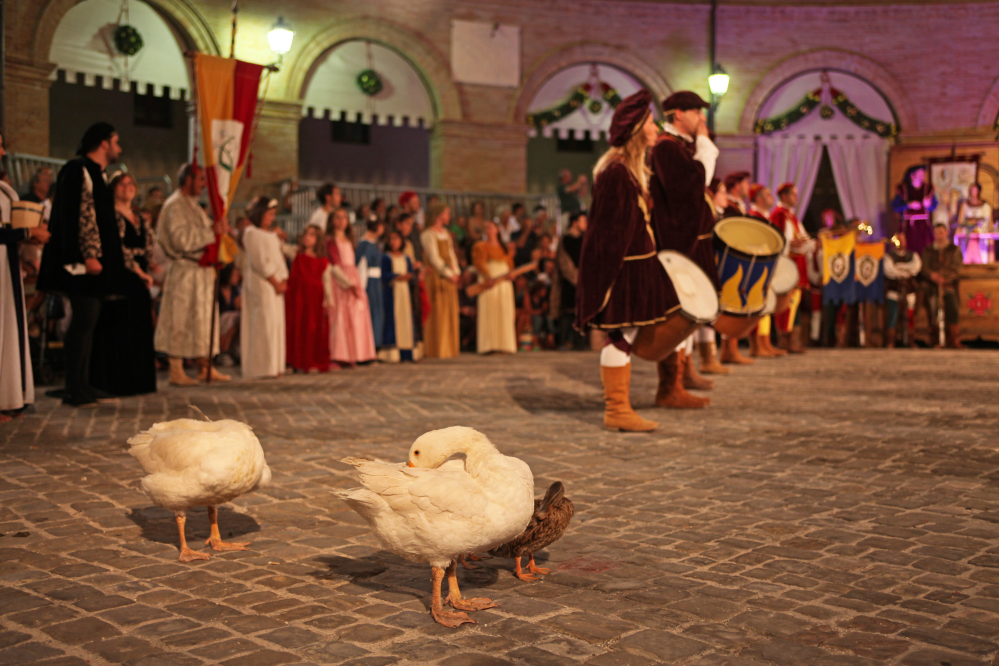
188, 555
451, 619
215, 540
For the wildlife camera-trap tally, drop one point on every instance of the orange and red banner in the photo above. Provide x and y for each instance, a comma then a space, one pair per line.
227, 103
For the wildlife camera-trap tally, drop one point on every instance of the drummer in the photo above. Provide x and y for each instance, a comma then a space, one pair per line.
683, 164
790, 333
761, 201
622, 285
737, 192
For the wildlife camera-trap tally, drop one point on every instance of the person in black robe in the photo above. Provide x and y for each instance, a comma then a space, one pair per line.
123, 360
83, 259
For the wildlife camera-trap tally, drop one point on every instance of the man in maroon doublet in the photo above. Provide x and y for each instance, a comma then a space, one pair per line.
683, 164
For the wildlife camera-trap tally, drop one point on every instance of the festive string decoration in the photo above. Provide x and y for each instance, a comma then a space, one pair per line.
579, 98
369, 82
127, 40
841, 101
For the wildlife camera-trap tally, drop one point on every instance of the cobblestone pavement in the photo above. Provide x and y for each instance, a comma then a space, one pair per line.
837, 508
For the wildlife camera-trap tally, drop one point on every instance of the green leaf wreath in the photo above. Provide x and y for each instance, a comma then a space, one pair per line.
813, 99
577, 99
127, 40
369, 82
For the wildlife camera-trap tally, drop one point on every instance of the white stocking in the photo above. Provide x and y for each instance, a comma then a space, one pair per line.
612, 357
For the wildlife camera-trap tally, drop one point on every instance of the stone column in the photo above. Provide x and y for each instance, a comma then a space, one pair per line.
478, 157
26, 104
275, 149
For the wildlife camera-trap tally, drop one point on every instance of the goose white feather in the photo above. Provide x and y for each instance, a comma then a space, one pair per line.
432, 511
199, 463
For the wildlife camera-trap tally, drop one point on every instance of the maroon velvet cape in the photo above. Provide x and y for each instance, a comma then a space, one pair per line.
621, 282
681, 216
307, 326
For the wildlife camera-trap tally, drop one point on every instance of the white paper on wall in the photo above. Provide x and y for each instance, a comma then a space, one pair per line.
485, 53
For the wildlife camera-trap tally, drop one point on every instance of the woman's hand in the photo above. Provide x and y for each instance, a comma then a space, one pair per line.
280, 286
40, 234
93, 266
146, 278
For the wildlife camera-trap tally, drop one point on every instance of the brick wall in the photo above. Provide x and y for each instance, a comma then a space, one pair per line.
934, 61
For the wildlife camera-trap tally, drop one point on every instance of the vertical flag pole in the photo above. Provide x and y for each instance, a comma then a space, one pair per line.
232, 44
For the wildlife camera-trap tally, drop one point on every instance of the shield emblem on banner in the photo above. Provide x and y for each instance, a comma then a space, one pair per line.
867, 269
839, 266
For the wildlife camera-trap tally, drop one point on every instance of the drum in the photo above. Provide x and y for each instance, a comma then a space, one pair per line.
25, 214
770, 303
746, 252
698, 306
784, 282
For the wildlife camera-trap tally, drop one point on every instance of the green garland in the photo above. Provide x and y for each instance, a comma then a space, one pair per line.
579, 97
127, 40
369, 82
788, 118
812, 100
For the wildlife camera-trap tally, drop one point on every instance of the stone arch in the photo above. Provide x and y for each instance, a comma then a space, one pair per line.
429, 64
988, 115
580, 53
179, 14
833, 59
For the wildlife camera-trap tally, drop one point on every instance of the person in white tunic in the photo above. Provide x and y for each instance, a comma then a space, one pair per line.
496, 321
17, 386
190, 239
262, 330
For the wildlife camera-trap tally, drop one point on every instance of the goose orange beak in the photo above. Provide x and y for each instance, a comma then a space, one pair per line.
409, 463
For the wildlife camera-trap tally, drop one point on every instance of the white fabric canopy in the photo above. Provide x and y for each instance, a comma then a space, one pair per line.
790, 158
860, 167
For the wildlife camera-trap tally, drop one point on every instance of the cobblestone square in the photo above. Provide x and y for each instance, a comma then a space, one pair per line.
831, 509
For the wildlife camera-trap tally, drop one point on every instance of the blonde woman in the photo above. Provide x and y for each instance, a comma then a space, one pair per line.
441, 337
496, 312
621, 285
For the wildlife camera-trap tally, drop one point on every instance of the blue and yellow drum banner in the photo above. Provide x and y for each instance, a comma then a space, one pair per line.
744, 282
869, 274
838, 284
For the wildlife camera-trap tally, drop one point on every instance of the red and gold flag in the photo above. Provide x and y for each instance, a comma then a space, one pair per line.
227, 104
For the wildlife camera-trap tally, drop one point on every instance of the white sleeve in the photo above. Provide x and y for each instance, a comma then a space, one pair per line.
707, 154
362, 271
328, 286
890, 271
432, 254
260, 259
318, 219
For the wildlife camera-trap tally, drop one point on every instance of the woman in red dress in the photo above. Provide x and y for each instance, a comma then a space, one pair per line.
306, 302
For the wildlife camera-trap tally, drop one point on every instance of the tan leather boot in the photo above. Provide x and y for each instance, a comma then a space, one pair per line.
754, 345
693, 379
203, 372
730, 353
770, 349
671, 392
954, 337
618, 414
710, 365
177, 375
796, 345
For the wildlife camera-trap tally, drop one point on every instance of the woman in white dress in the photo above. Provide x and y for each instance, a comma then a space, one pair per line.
262, 321
496, 310
17, 386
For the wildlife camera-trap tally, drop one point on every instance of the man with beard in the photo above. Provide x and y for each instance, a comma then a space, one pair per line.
84, 259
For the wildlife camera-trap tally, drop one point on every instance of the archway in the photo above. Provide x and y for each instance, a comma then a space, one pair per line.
569, 116
142, 96
367, 113
829, 132
430, 65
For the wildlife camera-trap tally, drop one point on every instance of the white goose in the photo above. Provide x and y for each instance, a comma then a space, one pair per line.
428, 513
198, 463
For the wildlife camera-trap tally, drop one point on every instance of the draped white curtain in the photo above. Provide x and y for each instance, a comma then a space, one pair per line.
859, 163
793, 159
860, 166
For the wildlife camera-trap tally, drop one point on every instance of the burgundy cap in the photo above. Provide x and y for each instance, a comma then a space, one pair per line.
629, 116
684, 100
754, 191
784, 188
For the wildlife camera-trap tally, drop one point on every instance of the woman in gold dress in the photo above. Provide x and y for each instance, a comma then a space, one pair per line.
441, 336
496, 311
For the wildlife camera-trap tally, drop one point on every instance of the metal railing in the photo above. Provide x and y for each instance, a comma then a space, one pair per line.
21, 167
303, 201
